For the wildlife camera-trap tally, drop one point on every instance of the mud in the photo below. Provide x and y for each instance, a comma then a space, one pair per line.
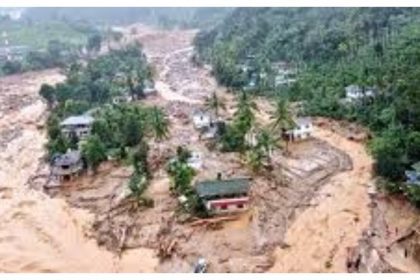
305, 215
37, 233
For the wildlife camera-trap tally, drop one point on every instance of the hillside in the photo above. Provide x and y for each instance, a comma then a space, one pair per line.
333, 48
163, 17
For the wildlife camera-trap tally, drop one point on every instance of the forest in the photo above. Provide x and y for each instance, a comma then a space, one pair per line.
332, 48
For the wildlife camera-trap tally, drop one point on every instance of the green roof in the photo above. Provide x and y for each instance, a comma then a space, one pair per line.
222, 187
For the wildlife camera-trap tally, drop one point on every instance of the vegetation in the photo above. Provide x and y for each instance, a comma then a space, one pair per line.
94, 152
331, 49
181, 175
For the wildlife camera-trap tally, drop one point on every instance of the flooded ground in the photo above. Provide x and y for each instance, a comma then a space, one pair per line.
37, 233
305, 214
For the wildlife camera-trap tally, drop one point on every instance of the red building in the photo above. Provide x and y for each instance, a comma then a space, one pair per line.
224, 196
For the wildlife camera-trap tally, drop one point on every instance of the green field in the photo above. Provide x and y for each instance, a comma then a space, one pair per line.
37, 35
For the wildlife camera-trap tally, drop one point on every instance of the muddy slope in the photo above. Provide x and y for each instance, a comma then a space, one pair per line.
38, 233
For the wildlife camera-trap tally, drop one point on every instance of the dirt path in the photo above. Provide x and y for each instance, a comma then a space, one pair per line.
38, 233
320, 235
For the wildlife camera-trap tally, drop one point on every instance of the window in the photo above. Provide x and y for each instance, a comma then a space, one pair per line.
240, 206
223, 207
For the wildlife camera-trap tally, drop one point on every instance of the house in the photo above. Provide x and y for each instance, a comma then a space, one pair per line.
149, 88
65, 166
195, 161
124, 98
214, 130
285, 73
303, 129
201, 119
224, 196
355, 92
413, 176
80, 125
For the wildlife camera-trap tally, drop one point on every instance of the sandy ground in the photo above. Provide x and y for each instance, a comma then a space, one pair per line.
320, 235
38, 233
304, 225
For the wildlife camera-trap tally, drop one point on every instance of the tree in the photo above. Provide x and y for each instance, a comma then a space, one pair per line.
282, 119
244, 114
94, 42
255, 158
132, 130
48, 93
139, 159
267, 143
94, 152
11, 67
214, 103
158, 123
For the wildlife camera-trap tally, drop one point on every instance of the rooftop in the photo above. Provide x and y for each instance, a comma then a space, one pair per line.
77, 120
69, 158
222, 187
302, 121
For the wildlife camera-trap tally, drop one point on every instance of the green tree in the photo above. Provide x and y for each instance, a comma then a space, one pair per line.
48, 93
267, 143
94, 152
214, 103
158, 123
94, 42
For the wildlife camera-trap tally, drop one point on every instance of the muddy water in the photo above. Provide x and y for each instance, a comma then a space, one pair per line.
319, 237
38, 233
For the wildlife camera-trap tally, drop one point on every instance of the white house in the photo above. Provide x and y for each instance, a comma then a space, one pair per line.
149, 88
302, 130
201, 119
80, 125
195, 161
355, 92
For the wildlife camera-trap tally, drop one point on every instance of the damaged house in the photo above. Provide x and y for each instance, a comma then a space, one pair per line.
66, 166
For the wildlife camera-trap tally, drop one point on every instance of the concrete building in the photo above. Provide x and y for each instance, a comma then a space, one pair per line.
224, 196
66, 166
149, 88
201, 119
80, 125
303, 129
355, 92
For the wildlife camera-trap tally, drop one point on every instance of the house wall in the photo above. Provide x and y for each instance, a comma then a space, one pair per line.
201, 121
73, 169
81, 131
222, 206
301, 132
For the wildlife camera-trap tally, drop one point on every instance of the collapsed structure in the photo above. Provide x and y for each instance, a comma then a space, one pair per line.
66, 166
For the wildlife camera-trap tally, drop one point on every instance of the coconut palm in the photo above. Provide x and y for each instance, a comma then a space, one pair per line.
244, 115
158, 123
282, 119
267, 143
214, 103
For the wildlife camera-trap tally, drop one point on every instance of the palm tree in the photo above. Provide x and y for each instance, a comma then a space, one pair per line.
282, 119
245, 113
159, 124
267, 143
255, 159
214, 103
